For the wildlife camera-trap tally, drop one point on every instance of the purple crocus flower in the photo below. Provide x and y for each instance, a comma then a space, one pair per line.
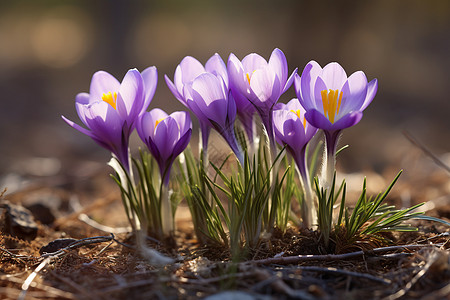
293, 131
166, 136
185, 73
245, 113
111, 108
260, 82
211, 101
333, 102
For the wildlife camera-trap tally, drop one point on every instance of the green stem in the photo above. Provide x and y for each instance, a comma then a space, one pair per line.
329, 164
309, 211
167, 222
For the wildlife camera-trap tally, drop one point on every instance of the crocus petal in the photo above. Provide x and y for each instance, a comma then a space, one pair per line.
131, 93
155, 115
298, 91
208, 94
238, 80
154, 151
279, 106
81, 102
192, 105
310, 130
182, 143
82, 98
107, 146
289, 129
317, 102
171, 135
295, 105
242, 103
355, 90
294, 133
188, 69
166, 135
289, 81
263, 86
78, 127
105, 122
372, 88
317, 119
145, 126
278, 64
216, 66
208, 87
150, 79
174, 90
183, 120
102, 82
231, 109
252, 62
348, 120
304, 85
334, 76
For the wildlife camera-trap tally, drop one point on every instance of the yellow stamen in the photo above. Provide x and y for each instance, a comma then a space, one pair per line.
297, 112
331, 104
157, 122
110, 98
249, 76
340, 100
324, 94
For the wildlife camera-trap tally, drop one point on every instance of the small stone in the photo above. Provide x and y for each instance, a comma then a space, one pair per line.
42, 213
18, 221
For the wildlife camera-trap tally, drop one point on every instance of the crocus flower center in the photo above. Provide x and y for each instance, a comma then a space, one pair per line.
297, 112
110, 98
249, 76
331, 103
158, 121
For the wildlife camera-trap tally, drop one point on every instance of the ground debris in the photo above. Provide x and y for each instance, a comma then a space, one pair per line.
291, 265
17, 221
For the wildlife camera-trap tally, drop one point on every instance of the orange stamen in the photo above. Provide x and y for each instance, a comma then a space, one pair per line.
157, 122
331, 103
297, 112
110, 98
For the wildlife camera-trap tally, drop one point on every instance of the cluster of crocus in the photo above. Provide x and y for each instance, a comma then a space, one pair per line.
217, 94
260, 83
205, 91
112, 110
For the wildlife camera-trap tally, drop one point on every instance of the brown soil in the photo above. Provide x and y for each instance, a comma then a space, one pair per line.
113, 269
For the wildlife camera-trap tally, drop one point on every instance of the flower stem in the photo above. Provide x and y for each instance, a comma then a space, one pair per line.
203, 143
309, 211
329, 164
166, 210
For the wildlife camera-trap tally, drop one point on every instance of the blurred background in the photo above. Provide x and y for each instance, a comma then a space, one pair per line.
50, 49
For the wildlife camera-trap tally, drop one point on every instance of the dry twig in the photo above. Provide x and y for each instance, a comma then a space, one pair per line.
286, 260
80, 243
434, 258
344, 272
73, 285
31, 277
